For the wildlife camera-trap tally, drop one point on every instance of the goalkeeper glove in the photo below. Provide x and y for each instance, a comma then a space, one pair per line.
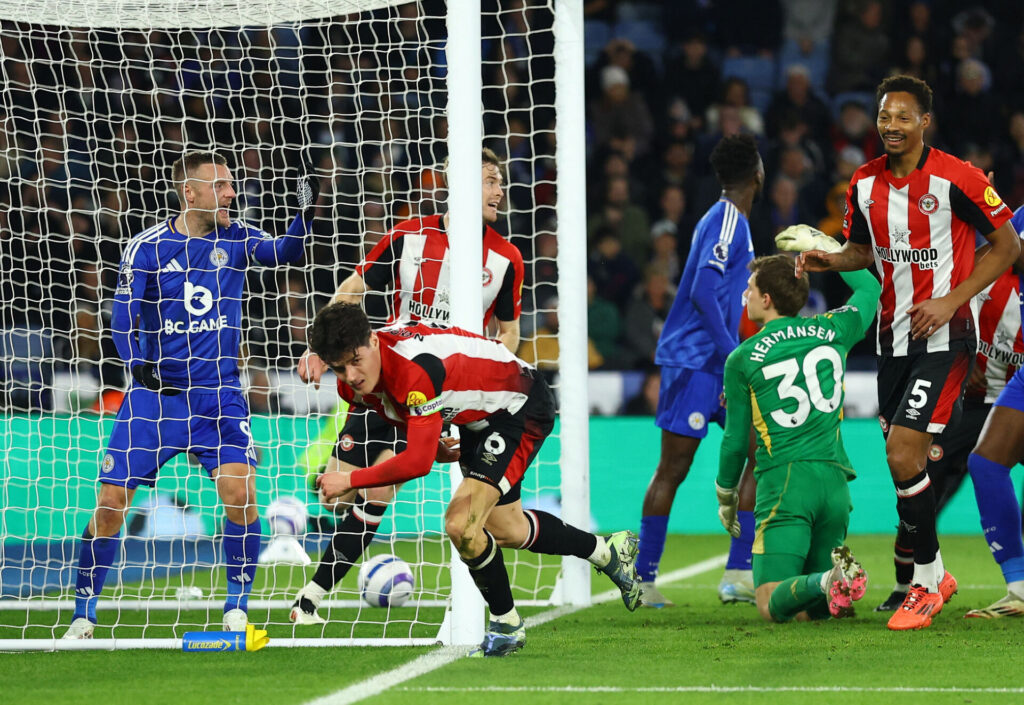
307, 187
145, 374
728, 506
800, 238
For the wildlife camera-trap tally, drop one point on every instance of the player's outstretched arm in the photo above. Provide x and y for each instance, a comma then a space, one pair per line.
866, 290
291, 245
423, 436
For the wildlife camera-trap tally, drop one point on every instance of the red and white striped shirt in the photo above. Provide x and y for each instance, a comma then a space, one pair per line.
922, 232
428, 368
1000, 344
412, 262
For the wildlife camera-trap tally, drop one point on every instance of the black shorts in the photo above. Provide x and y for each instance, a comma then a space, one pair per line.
365, 436
947, 456
499, 449
924, 391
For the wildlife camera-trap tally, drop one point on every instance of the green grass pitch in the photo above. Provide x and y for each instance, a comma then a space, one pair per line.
698, 652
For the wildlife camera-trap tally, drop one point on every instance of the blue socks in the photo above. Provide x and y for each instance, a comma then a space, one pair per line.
739, 549
241, 551
1000, 514
652, 545
95, 557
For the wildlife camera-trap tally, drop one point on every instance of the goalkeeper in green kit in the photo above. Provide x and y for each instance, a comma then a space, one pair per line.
787, 381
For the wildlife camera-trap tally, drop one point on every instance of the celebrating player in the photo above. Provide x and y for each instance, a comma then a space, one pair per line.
787, 380
914, 212
1000, 447
701, 330
412, 263
418, 375
180, 292
1000, 350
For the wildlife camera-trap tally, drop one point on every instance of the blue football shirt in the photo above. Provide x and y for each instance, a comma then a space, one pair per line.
183, 297
722, 242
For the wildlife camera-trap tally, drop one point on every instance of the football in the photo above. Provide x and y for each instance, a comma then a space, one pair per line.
385, 581
287, 516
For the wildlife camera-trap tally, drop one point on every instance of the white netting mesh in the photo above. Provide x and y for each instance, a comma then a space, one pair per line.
93, 113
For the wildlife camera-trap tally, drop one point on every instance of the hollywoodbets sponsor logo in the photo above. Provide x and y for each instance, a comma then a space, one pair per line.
993, 353
925, 258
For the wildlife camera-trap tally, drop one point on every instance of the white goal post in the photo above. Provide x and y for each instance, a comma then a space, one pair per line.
98, 98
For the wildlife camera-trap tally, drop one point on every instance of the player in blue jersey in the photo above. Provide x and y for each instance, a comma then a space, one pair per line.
177, 323
701, 330
1000, 447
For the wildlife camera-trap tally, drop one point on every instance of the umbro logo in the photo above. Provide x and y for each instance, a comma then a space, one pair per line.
172, 266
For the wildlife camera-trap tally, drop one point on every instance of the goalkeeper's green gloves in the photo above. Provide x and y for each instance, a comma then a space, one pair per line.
800, 238
307, 187
728, 506
145, 374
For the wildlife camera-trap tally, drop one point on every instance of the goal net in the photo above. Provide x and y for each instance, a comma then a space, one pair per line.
98, 98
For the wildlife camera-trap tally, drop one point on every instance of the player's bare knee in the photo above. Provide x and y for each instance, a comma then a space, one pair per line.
904, 463
107, 521
380, 495
673, 470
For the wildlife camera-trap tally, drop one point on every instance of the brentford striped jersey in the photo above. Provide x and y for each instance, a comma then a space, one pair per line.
1000, 345
412, 262
427, 368
921, 229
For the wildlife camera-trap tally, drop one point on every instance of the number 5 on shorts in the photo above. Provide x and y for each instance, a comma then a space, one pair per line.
918, 393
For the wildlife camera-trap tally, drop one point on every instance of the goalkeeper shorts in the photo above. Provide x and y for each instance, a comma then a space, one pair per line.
151, 428
802, 513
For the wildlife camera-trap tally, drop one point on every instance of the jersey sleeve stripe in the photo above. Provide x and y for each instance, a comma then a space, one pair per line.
136, 243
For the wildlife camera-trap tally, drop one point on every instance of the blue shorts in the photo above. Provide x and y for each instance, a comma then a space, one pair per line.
688, 401
150, 429
1012, 395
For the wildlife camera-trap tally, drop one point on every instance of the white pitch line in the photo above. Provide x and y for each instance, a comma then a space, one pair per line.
381, 682
708, 689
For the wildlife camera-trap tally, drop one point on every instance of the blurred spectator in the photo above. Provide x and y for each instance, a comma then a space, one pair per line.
856, 128
604, 326
645, 317
916, 61
628, 220
785, 208
807, 36
543, 350
621, 111
736, 94
693, 76
645, 403
972, 113
670, 234
860, 49
614, 272
798, 99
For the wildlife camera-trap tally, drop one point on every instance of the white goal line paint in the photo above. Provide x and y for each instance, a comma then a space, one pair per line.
381, 682
710, 689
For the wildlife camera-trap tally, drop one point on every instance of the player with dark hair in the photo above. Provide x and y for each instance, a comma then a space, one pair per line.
420, 375
411, 263
701, 330
787, 380
177, 323
914, 212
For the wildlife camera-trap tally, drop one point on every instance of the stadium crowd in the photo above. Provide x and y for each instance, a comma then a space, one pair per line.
85, 134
